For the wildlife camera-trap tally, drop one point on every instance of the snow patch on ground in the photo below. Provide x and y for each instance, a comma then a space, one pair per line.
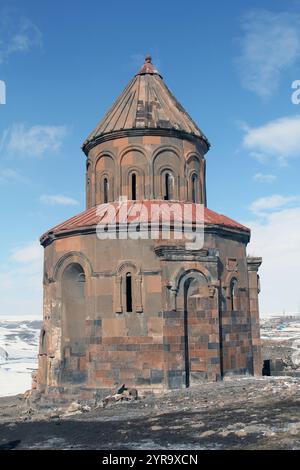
284, 330
18, 353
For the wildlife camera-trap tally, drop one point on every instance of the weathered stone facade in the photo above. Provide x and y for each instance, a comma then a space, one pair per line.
148, 312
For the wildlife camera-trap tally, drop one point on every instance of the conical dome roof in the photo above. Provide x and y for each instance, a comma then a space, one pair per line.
146, 106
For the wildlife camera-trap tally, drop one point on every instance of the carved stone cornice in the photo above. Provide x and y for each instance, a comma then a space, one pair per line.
88, 145
180, 253
254, 263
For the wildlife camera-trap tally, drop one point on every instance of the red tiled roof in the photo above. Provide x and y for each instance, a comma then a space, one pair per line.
143, 212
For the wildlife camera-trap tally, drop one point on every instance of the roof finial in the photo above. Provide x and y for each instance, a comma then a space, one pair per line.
148, 67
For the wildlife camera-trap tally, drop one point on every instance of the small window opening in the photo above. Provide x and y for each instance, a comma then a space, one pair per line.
128, 292
105, 190
233, 294
168, 187
194, 188
43, 342
133, 186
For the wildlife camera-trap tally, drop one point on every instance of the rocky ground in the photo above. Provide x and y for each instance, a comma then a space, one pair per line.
240, 413
244, 413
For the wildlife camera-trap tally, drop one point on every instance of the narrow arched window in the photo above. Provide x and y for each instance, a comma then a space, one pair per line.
133, 186
128, 292
194, 188
88, 186
43, 342
168, 187
105, 190
233, 294
88, 193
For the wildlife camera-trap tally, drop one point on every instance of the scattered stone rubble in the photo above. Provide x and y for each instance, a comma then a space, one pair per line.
36, 406
122, 394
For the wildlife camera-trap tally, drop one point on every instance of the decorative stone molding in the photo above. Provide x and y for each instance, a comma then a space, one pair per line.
139, 303
132, 148
193, 155
123, 268
127, 265
231, 264
212, 290
106, 153
243, 289
89, 145
180, 253
253, 263
68, 258
118, 295
166, 148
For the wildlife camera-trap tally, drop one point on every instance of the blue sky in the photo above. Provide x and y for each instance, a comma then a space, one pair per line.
231, 65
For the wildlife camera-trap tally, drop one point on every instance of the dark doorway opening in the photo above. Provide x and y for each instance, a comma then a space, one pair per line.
266, 370
186, 332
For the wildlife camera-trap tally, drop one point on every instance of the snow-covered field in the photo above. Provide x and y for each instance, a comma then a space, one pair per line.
280, 328
18, 353
284, 330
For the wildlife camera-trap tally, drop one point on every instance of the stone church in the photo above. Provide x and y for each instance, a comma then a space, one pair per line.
151, 312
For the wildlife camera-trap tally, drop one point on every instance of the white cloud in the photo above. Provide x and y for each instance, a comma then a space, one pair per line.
269, 45
264, 178
276, 201
29, 253
21, 281
33, 141
17, 34
58, 199
277, 239
10, 175
279, 139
